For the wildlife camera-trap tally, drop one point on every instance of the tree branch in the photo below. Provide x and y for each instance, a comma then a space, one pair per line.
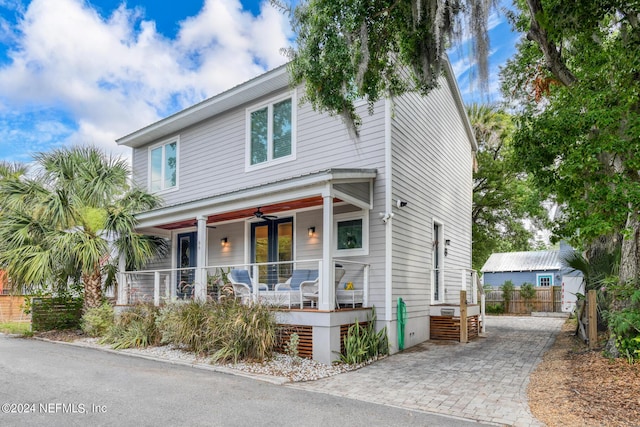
551, 53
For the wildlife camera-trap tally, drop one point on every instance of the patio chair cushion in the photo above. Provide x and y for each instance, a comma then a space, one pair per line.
298, 277
240, 276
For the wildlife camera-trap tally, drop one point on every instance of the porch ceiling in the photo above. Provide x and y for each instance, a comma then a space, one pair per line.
298, 192
248, 213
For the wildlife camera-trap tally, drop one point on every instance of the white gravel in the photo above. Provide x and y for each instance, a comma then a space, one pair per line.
281, 365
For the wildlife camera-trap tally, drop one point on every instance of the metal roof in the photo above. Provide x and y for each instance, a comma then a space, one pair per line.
523, 261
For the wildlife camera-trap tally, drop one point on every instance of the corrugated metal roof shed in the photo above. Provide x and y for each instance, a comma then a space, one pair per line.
522, 261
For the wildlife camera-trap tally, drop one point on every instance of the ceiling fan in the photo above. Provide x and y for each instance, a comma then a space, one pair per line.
260, 215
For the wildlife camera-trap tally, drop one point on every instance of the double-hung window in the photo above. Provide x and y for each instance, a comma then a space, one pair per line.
163, 161
271, 132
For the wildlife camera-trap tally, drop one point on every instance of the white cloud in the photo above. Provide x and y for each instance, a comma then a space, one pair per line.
110, 77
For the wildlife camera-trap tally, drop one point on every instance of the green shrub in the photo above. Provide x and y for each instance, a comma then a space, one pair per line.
55, 313
135, 327
528, 292
625, 323
363, 343
494, 308
96, 321
507, 289
244, 332
291, 348
189, 325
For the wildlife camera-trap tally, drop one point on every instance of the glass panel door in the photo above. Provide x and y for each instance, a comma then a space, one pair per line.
272, 241
186, 258
436, 261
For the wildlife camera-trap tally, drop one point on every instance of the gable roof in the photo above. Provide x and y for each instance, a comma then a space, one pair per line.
523, 261
262, 85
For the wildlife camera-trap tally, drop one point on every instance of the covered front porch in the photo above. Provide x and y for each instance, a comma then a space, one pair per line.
266, 238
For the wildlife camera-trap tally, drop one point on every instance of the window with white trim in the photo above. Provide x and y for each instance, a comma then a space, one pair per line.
163, 166
270, 132
351, 234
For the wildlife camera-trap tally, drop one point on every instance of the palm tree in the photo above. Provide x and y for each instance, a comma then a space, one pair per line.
73, 218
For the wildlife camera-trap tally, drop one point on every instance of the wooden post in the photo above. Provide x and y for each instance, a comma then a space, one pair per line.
592, 306
463, 317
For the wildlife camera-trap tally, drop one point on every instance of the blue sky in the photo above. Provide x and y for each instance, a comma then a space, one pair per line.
89, 72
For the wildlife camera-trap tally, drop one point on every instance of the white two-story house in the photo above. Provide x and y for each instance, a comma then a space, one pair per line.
254, 179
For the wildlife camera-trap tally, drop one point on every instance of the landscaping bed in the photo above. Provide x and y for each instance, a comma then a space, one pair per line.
574, 386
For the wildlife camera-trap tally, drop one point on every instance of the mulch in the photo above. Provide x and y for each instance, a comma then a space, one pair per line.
573, 386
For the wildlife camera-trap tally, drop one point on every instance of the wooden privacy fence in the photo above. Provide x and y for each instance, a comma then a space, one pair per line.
546, 300
11, 309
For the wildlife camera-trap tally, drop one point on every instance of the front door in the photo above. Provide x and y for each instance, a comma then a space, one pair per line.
186, 258
272, 241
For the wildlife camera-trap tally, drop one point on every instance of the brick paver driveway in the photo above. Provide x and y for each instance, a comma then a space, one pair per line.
484, 380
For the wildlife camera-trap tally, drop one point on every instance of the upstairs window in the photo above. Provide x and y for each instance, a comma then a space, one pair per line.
271, 133
163, 159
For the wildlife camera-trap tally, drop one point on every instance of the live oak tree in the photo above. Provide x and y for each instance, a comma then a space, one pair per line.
73, 216
576, 80
359, 49
503, 196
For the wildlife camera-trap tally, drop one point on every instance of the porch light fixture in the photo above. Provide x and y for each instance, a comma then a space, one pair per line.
224, 241
311, 231
446, 249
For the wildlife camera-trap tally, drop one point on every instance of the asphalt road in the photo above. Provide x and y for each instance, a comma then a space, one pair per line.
49, 384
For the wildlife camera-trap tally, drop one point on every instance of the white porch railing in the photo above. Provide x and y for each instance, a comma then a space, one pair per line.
162, 285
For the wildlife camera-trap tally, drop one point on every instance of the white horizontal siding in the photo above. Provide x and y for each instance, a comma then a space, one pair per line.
431, 161
211, 158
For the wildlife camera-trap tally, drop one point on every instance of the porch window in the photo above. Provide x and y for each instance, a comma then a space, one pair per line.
271, 132
163, 161
545, 280
351, 234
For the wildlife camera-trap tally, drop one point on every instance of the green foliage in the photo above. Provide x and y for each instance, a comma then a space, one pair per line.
349, 50
624, 324
55, 313
227, 331
96, 321
363, 343
291, 348
245, 332
580, 141
503, 197
189, 325
59, 226
134, 327
507, 289
494, 308
21, 328
528, 292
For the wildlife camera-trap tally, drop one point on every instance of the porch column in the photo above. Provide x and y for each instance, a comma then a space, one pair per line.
122, 281
326, 287
200, 291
